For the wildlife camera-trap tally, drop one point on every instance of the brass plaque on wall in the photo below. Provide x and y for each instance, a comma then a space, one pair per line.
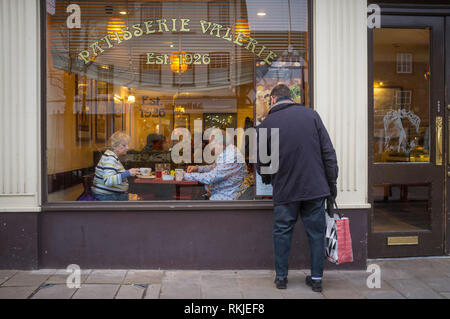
405, 240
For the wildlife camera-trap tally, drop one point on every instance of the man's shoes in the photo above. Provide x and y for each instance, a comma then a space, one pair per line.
316, 285
281, 283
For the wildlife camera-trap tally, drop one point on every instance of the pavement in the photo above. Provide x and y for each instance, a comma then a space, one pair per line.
423, 278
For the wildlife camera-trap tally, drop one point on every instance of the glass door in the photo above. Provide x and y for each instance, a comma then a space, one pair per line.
406, 171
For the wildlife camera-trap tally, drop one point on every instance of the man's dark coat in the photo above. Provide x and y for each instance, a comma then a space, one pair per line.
307, 159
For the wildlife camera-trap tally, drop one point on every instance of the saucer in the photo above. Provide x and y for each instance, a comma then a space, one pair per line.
146, 176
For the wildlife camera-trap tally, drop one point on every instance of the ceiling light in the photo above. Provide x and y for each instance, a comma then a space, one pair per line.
123, 13
261, 14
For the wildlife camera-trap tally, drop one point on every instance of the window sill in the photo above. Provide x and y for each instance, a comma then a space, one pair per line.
159, 206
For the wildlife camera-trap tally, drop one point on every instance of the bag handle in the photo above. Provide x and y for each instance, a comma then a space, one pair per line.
331, 205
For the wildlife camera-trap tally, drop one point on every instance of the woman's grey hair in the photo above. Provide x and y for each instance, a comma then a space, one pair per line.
118, 138
227, 138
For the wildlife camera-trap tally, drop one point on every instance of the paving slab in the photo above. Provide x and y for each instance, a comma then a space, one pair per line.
96, 291
214, 279
414, 289
256, 273
153, 291
130, 292
62, 279
106, 277
331, 275
221, 293
297, 288
180, 290
64, 272
337, 284
342, 294
292, 294
423, 268
417, 268
383, 294
358, 279
183, 276
438, 284
253, 293
257, 282
390, 271
143, 277
42, 272
26, 278
336, 288
16, 292
220, 284
6, 274
54, 291
441, 266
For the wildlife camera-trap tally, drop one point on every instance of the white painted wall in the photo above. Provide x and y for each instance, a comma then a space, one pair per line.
19, 105
340, 90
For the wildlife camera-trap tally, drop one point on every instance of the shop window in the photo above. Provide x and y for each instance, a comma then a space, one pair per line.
155, 69
149, 74
219, 68
401, 114
219, 11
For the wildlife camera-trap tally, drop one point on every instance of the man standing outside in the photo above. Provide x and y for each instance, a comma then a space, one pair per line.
306, 177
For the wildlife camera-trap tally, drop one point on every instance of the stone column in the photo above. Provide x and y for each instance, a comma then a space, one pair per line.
340, 90
20, 135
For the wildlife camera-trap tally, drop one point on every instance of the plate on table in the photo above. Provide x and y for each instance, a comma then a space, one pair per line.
146, 176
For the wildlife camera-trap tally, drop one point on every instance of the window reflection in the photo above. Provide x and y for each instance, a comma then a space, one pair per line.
119, 72
401, 95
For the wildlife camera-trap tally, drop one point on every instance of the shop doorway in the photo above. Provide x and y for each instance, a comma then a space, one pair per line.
407, 125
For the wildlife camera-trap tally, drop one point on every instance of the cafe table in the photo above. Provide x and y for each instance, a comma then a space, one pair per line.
146, 187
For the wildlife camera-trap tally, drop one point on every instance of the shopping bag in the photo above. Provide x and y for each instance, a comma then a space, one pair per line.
338, 241
344, 241
331, 251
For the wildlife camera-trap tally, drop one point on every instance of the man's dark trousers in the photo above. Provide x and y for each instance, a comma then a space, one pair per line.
312, 213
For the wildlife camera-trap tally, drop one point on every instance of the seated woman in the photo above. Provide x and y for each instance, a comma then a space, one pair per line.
222, 179
110, 180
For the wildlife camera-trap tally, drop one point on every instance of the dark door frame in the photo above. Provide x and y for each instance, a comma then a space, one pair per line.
435, 95
446, 134
423, 8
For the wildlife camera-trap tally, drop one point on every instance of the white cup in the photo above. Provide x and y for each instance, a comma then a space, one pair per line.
179, 174
145, 170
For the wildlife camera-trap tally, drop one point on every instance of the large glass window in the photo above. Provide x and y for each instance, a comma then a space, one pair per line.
401, 92
128, 82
